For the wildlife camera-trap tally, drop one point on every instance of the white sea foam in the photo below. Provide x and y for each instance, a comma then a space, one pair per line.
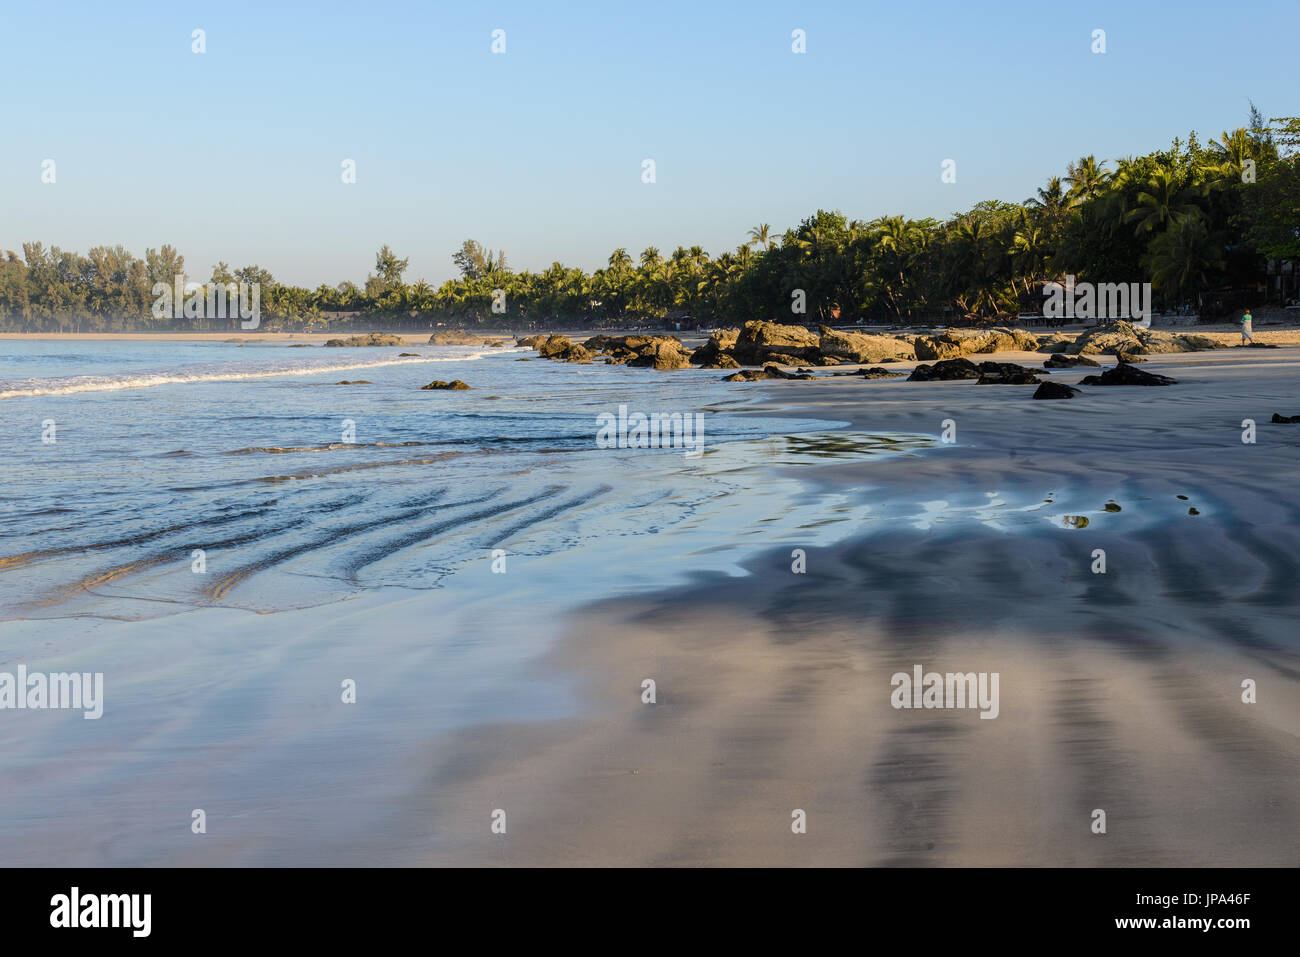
217, 372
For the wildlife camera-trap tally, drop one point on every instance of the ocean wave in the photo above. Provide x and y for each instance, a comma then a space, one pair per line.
11, 389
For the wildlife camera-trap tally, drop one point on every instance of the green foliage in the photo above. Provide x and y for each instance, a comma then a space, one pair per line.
1189, 219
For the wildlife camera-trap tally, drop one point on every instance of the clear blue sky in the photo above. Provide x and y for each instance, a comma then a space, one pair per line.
235, 154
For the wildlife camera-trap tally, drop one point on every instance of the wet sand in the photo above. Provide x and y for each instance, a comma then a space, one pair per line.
1119, 691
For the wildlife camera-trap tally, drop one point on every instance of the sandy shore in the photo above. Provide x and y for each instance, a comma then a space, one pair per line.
1119, 691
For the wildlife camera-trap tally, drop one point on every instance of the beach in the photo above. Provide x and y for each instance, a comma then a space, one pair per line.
524, 693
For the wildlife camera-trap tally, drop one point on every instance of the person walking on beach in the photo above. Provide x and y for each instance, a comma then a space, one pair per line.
1245, 328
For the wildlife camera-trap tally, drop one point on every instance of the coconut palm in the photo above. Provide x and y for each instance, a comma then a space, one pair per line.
1162, 198
760, 235
1087, 179
1184, 258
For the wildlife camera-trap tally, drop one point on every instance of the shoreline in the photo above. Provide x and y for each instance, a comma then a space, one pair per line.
1119, 692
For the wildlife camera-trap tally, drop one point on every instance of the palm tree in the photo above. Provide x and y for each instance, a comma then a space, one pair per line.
1184, 257
760, 236
1087, 179
1161, 200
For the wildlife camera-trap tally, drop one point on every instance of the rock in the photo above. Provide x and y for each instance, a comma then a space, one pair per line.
575, 353
767, 372
662, 355
372, 339
1008, 378
1123, 337
553, 346
875, 372
1128, 357
439, 384
1259, 345
946, 370
1125, 374
759, 340
719, 344
721, 362
1054, 342
859, 347
455, 337
1061, 361
953, 343
1284, 419
653, 352
1006, 368
401, 354
531, 342
1056, 390
354, 382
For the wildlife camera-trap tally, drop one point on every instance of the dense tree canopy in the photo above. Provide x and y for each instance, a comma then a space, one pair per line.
1190, 219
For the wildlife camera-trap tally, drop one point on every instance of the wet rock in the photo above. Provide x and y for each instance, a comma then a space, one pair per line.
1056, 390
354, 382
403, 354
1125, 374
439, 384
875, 372
1008, 378
370, 339
532, 342
1061, 361
1284, 419
767, 372
944, 371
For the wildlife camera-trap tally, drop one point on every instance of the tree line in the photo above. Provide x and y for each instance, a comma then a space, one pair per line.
1201, 223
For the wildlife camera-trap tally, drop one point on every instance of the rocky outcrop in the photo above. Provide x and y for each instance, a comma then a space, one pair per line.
1061, 361
1124, 337
563, 349
532, 342
1284, 419
952, 343
859, 347
456, 337
370, 339
947, 370
1056, 390
663, 355
759, 341
767, 372
647, 352
717, 348
875, 372
1125, 374
439, 384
